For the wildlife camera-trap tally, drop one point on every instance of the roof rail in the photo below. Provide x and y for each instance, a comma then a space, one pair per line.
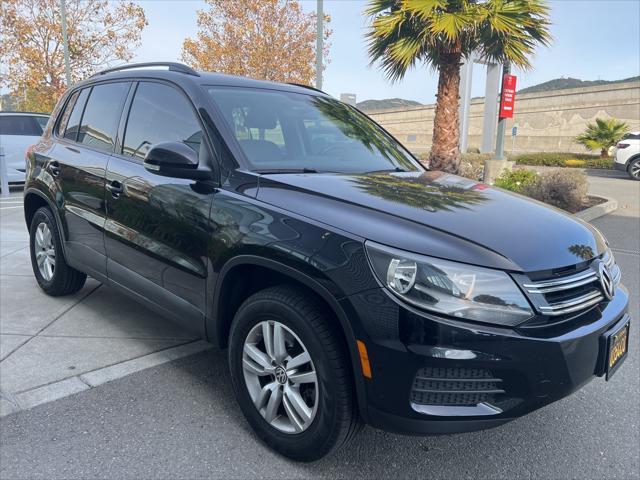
172, 66
306, 86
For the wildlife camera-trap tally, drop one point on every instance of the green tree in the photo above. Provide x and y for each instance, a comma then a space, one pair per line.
602, 135
440, 34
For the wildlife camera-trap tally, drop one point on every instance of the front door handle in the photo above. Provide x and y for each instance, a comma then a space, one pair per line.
54, 168
115, 188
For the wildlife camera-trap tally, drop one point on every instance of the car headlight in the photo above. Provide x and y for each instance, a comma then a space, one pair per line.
449, 288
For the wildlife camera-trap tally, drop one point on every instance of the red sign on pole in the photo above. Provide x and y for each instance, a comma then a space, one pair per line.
508, 98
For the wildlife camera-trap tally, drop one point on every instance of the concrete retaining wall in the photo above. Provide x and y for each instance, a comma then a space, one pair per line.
547, 121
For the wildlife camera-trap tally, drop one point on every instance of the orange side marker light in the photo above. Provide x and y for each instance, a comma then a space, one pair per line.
364, 359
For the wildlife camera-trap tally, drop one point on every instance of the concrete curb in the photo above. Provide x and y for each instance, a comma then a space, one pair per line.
591, 213
85, 381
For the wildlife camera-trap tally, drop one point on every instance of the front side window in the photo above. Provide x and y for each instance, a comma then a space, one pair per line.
102, 115
290, 131
159, 113
23, 125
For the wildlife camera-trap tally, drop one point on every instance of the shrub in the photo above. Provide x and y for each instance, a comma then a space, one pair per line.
574, 162
559, 159
565, 189
515, 180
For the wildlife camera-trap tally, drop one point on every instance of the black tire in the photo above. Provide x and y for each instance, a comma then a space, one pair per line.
65, 280
634, 166
336, 419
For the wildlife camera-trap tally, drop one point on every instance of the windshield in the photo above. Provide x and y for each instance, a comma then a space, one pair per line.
282, 131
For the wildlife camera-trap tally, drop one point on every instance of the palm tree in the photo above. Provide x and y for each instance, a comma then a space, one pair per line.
440, 34
602, 135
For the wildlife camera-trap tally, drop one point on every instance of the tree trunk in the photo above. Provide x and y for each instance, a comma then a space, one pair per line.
445, 153
604, 153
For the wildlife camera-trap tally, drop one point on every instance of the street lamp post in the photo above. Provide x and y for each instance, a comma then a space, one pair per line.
65, 42
319, 47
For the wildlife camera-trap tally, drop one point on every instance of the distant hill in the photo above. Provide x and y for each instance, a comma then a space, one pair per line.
562, 83
386, 103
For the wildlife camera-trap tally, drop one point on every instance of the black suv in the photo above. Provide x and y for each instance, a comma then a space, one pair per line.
349, 283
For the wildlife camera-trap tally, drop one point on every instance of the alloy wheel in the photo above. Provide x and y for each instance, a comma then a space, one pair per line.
280, 377
634, 169
45, 251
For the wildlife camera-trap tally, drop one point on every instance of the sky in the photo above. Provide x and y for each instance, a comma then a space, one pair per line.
593, 39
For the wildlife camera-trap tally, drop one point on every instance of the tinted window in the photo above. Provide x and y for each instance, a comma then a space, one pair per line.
631, 136
19, 125
289, 131
102, 115
74, 110
42, 121
160, 113
66, 113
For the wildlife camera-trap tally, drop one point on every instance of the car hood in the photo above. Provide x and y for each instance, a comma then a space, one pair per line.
439, 214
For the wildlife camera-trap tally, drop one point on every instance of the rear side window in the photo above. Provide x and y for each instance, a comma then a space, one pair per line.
102, 115
71, 125
159, 113
19, 125
42, 121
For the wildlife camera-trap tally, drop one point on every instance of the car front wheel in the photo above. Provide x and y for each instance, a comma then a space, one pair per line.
291, 374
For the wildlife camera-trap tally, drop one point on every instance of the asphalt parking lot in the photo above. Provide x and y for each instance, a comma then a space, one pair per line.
180, 420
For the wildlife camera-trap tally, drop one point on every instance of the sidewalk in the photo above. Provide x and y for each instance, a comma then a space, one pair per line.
53, 347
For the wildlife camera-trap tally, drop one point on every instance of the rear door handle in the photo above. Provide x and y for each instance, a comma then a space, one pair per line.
115, 188
54, 168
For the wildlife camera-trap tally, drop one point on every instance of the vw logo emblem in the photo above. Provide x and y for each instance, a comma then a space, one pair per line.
281, 375
606, 281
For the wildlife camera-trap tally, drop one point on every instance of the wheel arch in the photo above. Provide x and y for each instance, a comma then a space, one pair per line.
35, 199
226, 300
632, 159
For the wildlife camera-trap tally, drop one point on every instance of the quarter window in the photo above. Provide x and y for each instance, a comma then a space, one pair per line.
72, 124
102, 115
160, 113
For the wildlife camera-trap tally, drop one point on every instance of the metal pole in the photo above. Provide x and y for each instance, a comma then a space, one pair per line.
65, 42
4, 176
466, 80
489, 118
502, 123
319, 47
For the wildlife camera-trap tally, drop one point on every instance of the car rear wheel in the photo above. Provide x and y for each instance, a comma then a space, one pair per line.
50, 268
291, 375
634, 169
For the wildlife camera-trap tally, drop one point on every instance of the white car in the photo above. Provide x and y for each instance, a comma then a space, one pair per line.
18, 131
627, 155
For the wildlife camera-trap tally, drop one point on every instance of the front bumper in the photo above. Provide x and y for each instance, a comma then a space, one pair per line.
531, 371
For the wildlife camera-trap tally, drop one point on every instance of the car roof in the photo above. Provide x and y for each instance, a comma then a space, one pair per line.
200, 78
29, 114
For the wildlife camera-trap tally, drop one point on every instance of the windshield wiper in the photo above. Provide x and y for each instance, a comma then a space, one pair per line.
267, 171
396, 169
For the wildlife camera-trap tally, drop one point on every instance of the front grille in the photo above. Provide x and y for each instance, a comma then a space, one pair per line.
570, 294
454, 387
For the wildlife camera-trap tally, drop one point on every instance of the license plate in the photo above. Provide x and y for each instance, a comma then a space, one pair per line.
617, 346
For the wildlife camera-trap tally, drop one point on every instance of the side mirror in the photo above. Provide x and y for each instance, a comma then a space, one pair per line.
175, 159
